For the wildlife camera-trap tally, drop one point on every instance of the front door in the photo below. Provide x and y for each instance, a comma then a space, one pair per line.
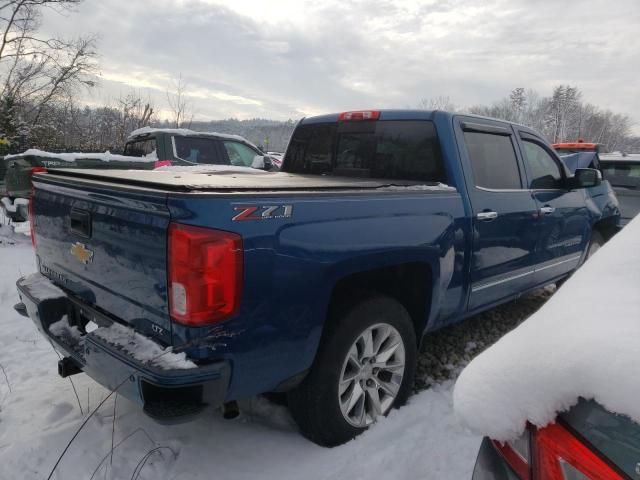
565, 222
504, 212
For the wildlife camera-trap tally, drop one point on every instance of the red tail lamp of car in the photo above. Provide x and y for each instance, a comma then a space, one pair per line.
205, 273
554, 453
32, 220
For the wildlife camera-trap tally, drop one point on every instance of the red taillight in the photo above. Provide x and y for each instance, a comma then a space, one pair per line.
162, 163
559, 455
554, 453
32, 219
359, 115
36, 170
205, 274
518, 454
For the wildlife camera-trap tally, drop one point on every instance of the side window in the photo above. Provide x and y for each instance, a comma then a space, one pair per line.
196, 149
239, 154
141, 148
544, 171
493, 160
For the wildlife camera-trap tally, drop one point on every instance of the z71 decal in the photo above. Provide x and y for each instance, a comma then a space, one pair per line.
264, 212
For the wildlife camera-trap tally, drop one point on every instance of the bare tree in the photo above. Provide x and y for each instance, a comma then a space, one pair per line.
35, 71
440, 102
179, 104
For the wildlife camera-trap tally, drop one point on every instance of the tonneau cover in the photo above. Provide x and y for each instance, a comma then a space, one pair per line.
231, 180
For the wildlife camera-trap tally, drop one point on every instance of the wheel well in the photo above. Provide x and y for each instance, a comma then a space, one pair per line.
409, 283
606, 227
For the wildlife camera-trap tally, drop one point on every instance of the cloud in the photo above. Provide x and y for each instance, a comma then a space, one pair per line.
285, 58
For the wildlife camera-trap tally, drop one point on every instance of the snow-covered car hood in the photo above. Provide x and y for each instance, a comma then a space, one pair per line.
584, 342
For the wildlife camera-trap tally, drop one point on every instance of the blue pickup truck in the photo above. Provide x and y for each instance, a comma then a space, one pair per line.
184, 289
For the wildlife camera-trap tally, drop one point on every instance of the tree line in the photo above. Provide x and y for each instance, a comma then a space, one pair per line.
562, 116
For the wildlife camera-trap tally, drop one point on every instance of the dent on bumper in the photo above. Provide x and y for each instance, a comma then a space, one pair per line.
164, 392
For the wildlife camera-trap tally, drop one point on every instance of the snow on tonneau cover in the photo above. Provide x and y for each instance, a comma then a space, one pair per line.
584, 342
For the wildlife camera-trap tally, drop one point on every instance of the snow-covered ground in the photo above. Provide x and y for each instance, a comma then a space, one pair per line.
40, 412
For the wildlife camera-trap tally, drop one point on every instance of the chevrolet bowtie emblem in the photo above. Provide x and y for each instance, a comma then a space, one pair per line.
82, 253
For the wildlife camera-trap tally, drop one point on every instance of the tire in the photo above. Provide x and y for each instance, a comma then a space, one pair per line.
317, 404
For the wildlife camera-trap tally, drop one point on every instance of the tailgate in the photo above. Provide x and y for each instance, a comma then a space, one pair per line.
107, 246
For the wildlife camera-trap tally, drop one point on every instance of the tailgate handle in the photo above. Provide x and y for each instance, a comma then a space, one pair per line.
80, 222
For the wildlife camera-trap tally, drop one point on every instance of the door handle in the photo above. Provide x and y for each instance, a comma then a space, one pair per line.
487, 216
547, 210
80, 222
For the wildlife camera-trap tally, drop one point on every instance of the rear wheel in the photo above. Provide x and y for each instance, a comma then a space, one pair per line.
364, 367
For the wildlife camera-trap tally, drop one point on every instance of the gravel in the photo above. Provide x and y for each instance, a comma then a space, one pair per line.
446, 352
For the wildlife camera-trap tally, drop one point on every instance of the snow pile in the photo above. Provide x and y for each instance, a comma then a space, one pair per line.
584, 342
14, 234
208, 168
440, 187
142, 348
62, 329
12, 207
41, 287
74, 157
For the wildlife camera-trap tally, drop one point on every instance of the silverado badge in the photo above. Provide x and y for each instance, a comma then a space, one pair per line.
82, 253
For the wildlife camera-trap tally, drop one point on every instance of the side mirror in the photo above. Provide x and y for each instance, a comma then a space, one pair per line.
585, 178
262, 162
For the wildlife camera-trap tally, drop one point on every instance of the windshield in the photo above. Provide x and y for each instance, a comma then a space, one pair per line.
622, 174
397, 150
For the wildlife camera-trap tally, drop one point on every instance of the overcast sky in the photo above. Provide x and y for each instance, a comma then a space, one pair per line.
288, 58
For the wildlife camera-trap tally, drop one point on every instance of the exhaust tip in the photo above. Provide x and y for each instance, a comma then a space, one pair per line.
230, 410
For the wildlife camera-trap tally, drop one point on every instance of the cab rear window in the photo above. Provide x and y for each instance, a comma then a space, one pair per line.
395, 150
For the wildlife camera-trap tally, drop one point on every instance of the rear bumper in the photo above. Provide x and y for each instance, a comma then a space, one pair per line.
166, 394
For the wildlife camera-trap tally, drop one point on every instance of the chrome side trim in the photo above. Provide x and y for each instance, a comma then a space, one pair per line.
477, 288
500, 282
577, 257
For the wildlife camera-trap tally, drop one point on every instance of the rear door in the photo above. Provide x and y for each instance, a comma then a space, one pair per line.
565, 222
504, 213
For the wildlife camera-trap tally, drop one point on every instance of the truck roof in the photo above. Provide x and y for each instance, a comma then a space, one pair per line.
618, 157
185, 132
407, 114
